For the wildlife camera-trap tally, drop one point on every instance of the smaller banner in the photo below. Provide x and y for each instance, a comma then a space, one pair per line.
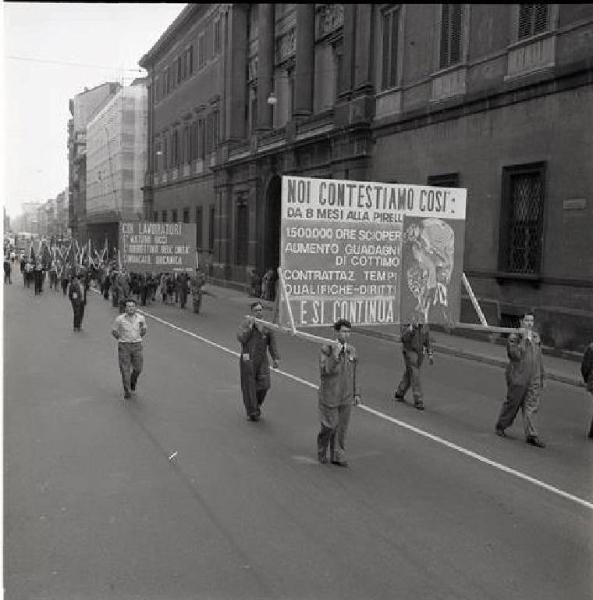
157, 247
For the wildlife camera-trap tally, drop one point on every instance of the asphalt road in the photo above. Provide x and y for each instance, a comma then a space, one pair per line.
175, 495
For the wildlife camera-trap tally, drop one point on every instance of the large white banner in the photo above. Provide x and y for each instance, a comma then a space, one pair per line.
372, 253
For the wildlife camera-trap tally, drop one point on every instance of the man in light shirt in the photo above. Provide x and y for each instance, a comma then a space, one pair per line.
128, 329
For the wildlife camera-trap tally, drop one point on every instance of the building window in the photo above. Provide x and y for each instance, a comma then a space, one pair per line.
451, 23
186, 215
390, 28
449, 180
199, 225
190, 60
155, 216
180, 65
522, 216
174, 216
217, 36
164, 216
186, 145
211, 228
241, 231
201, 132
201, 51
533, 19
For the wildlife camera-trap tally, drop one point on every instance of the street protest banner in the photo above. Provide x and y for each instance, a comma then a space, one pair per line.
157, 247
372, 253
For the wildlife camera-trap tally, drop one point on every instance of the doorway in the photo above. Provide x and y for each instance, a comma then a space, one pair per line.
273, 215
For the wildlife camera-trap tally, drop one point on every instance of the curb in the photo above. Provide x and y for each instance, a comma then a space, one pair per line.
490, 360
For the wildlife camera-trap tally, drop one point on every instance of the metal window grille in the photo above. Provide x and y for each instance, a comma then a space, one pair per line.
390, 28
533, 19
451, 38
522, 220
242, 231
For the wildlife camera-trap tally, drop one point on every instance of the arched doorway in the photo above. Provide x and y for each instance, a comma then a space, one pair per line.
273, 215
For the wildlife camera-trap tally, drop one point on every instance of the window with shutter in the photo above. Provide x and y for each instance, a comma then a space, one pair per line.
389, 32
533, 19
451, 35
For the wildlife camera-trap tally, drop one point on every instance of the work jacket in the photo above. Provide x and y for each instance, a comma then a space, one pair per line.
339, 383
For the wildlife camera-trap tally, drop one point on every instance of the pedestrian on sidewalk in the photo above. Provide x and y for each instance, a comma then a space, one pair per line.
7, 270
257, 340
76, 296
129, 329
416, 342
525, 380
338, 392
587, 372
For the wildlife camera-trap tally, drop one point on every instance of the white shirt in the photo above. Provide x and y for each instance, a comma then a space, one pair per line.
129, 327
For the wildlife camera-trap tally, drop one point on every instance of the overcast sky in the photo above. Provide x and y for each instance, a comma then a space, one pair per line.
36, 94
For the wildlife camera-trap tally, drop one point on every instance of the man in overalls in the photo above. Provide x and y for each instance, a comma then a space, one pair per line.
256, 341
525, 381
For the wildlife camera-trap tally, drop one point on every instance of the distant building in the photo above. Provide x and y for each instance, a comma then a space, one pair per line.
6, 221
116, 145
83, 107
493, 98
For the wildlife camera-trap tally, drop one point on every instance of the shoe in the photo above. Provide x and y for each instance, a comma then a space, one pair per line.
322, 458
398, 397
127, 395
340, 463
535, 441
253, 417
500, 431
419, 405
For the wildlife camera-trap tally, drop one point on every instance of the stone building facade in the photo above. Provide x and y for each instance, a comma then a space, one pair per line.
493, 98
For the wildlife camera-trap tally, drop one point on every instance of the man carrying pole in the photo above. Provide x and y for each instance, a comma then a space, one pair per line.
256, 341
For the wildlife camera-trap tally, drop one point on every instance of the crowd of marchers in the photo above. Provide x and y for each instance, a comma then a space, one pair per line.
339, 382
338, 361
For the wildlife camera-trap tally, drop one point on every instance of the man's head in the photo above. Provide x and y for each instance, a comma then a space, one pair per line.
342, 327
130, 306
528, 320
257, 309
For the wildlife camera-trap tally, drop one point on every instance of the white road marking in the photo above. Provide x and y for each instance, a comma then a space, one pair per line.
403, 424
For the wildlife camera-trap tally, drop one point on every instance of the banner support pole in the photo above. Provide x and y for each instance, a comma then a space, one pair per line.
285, 297
474, 300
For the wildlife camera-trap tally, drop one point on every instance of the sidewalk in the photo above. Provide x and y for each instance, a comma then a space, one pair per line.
557, 369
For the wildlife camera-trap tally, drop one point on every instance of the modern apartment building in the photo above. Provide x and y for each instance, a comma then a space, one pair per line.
82, 108
116, 146
493, 98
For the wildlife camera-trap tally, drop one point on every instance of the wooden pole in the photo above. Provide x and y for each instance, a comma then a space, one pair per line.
285, 296
474, 300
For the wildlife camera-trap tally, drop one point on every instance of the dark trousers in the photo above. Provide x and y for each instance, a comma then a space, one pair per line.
78, 310
411, 378
7, 276
253, 394
130, 363
64, 286
38, 279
